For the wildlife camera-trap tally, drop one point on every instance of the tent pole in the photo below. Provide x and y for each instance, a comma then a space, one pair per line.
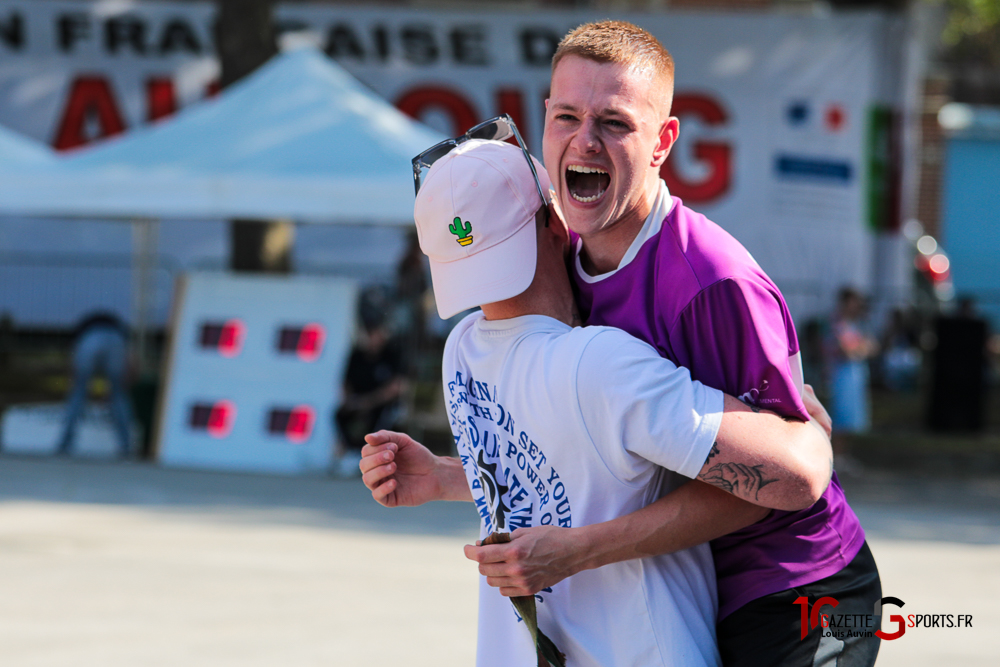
144, 242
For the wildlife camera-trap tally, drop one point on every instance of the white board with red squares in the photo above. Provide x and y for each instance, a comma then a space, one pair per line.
253, 372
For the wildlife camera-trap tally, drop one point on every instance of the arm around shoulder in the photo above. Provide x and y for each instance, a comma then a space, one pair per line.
767, 460
542, 556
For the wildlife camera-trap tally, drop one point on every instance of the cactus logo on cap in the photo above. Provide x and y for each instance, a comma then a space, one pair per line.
463, 230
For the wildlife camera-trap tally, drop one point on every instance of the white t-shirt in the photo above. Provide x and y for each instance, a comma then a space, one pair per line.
563, 426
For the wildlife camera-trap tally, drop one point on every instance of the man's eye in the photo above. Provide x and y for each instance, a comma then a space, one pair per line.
617, 124
565, 116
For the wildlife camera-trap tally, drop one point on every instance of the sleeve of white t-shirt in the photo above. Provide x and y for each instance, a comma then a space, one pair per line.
639, 407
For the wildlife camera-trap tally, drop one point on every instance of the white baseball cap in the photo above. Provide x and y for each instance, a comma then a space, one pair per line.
475, 215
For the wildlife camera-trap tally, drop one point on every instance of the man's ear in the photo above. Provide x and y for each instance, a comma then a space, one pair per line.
556, 224
669, 132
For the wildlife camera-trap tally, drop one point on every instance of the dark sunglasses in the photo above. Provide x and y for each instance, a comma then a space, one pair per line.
494, 129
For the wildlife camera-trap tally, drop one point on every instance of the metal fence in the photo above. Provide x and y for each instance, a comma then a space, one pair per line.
55, 290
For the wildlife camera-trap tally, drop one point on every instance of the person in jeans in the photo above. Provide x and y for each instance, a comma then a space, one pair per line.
100, 347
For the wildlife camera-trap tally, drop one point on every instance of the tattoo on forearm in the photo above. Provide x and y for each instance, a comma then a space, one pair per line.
737, 478
713, 453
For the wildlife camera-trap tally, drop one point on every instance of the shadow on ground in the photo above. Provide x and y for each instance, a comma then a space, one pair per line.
891, 505
924, 506
313, 501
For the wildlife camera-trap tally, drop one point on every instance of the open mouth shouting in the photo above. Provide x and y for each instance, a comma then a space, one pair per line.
586, 184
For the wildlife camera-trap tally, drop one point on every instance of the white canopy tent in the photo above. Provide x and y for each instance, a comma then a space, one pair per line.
299, 139
18, 152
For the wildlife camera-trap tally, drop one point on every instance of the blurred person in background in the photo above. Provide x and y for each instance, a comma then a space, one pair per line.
900, 361
812, 346
373, 384
100, 347
409, 317
851, 346
411, 291
961, 364
7, 340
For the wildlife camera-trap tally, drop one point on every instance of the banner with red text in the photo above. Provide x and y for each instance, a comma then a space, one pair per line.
787, 120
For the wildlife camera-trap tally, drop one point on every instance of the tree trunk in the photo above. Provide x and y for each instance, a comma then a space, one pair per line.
245, 40
244, 36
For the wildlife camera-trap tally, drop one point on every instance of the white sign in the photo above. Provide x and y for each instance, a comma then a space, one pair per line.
254, 373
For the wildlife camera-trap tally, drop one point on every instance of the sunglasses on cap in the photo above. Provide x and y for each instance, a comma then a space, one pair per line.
500, 128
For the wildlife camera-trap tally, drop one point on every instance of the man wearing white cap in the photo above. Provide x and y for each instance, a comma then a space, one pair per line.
564, 426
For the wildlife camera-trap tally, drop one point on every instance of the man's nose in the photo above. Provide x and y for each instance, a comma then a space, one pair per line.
586, 139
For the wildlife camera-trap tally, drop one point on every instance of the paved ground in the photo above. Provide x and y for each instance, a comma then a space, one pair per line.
125, 564
937, 545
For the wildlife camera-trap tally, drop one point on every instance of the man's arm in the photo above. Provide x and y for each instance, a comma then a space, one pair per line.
698, 512
768, 461
816, 410
400, 472
639, 408
542, 556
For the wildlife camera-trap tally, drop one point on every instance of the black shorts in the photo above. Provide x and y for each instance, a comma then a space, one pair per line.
767, 632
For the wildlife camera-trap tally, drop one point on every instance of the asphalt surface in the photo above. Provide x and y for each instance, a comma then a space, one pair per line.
114, 564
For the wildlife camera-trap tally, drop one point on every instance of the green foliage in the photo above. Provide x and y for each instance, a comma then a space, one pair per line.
970, 19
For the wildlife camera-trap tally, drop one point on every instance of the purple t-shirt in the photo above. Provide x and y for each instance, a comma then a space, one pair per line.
695, 294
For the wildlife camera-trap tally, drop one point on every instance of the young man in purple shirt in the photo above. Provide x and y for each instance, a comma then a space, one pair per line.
647, 264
